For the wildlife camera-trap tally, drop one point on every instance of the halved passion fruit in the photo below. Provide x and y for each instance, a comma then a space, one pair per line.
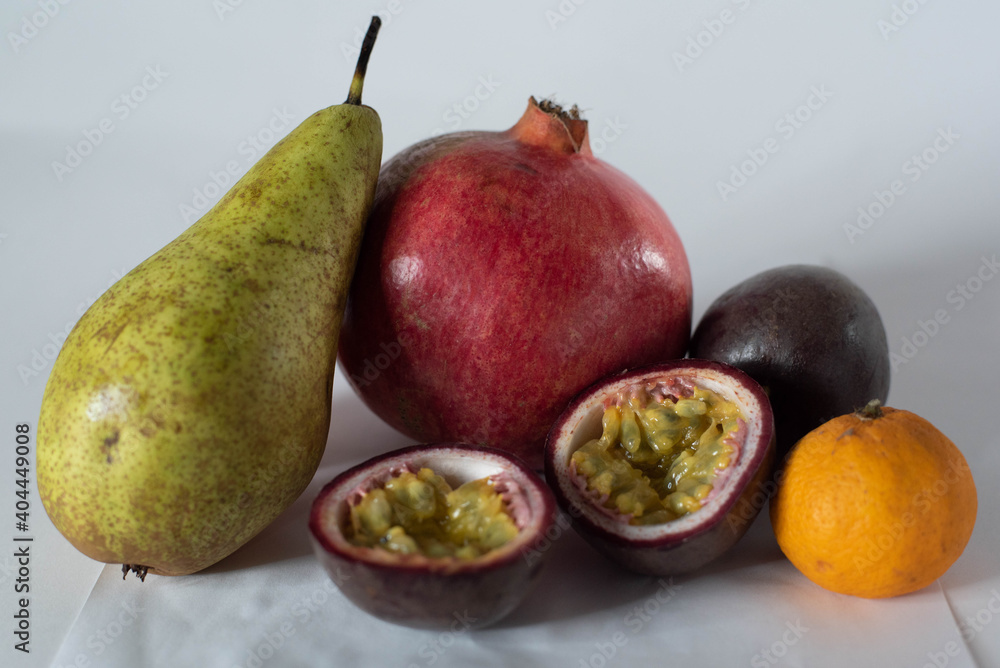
664, 468
431, 536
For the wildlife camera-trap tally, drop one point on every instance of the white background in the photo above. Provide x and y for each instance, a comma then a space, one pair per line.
678, 130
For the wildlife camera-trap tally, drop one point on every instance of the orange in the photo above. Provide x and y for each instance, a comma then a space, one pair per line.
877, 503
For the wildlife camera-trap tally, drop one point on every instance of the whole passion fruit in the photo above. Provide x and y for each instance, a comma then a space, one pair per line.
431, 536
664, 468
809, 335
499, 276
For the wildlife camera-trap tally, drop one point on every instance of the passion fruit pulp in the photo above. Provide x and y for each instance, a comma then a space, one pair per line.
429, 534
419, 513
659, 454
662, 468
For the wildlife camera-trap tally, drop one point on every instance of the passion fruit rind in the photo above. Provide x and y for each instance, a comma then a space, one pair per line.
690, 541
434, 592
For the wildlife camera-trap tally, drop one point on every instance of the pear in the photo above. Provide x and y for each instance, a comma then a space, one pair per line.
190, 405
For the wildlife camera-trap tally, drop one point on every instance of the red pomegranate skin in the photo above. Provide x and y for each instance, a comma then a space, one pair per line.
500, 274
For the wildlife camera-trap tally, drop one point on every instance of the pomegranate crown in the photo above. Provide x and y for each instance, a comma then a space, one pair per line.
548, 124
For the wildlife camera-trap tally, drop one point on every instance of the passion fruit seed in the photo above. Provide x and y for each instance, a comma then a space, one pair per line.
419, 513
659, 455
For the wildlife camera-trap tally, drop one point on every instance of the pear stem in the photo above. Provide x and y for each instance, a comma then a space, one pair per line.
354, 94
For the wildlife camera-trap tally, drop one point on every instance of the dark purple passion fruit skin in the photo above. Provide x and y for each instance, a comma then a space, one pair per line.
809, 335
448, 594
716, 532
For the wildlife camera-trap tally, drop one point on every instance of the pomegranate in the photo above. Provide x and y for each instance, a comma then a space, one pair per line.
500, 274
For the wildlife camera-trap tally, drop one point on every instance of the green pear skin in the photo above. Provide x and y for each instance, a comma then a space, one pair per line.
190, 405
